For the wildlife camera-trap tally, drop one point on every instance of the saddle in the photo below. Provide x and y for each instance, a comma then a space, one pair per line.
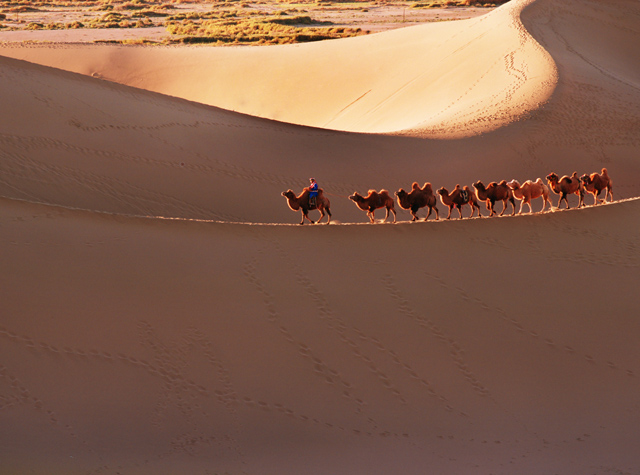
464, 194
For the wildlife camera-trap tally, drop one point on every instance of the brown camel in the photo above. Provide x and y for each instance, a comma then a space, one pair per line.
457, 198
301, 202
418, 198
596, 182
530, 190
373, 201
566, 186
495, 192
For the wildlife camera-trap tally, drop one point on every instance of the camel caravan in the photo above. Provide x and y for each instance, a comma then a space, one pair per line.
424, 197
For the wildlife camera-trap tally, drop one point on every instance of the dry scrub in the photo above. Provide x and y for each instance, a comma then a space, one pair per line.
219, 22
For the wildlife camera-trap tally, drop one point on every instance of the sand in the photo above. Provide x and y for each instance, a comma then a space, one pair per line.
162, 312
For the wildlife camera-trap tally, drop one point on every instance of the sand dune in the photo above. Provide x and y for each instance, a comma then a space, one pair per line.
161, 314
484, 71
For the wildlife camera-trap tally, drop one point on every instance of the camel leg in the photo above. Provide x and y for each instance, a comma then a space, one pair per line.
450, 210
386, 215
513, 206
460, 210
546, 201
372, 216
305, 214
329, 215
415, 216
597, 197
394, 214
522, 206
321, 216
437, 213
429, 213
490, 208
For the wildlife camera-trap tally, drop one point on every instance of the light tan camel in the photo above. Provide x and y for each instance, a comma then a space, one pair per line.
530, 190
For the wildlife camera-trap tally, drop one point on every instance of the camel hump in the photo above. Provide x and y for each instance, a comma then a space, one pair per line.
503, 183
414, 185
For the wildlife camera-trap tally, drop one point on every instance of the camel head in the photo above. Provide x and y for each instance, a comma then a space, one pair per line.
356, 197
401, 193
514, 184
552, 178
443, 191
586, 179
478, 185
288, 194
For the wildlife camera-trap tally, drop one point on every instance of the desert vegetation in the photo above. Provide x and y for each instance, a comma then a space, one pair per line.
222, 22
261, 30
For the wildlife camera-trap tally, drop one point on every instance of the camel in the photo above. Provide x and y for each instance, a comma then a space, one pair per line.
596, 182
495, 192
457, 198
373, 201
566, 186
530, 190
301, 202
418, 198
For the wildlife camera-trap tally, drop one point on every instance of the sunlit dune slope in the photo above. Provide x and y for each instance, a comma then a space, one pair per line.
486, 71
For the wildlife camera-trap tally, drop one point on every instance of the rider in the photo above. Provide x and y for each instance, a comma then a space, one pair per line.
313, 191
